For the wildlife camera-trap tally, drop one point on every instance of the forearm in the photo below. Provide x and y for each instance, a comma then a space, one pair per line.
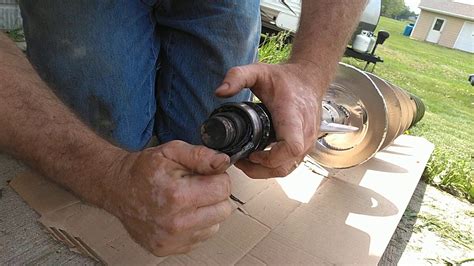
38, 129
325, 28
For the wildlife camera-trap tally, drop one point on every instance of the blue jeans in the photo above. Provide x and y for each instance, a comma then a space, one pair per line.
134, 68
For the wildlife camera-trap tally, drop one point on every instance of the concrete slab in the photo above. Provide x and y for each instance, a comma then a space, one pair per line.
22, 239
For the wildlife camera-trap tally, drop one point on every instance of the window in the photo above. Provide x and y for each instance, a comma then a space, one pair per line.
438, 24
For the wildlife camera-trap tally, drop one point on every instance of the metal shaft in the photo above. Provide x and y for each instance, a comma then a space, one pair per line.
380, 112
361, 114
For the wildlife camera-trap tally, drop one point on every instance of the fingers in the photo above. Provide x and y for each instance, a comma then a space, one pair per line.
280, 154
200, 218
191, 192
258, 171
207, 190
289, 149
188, 241
166, 208
205, 217
204, 234
238, 78
197, 159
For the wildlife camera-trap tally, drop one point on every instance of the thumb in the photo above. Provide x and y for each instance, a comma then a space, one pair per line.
197, 159
238, 78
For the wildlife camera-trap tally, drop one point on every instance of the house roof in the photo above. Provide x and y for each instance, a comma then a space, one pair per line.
456, 8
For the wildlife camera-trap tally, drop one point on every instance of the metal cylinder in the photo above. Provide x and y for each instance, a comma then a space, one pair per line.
389, 111
361, 114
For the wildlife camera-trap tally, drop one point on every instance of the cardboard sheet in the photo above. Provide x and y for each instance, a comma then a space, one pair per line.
346, 217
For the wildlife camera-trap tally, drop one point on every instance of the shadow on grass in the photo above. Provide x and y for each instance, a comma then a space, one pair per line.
404, 230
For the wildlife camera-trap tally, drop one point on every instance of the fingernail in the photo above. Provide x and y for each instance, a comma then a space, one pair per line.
223, 88
219, 163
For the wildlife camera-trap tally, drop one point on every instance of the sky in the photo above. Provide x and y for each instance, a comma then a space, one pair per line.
413, 5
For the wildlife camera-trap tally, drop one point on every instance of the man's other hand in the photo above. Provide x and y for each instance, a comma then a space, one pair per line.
171, 197
292, 93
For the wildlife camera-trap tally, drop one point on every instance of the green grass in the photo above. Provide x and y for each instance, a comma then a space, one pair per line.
445, 230
273, 50
16, 35
438, 75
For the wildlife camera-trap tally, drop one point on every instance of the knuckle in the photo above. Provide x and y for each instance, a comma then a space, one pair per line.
270, 162
175, 226
222, 212
310, 132
159, 249
161, 245
221, 188
174, 196
175, 144
226, 184
295, 149
235, 71
166, 149
186, 249
227, 209
199, 152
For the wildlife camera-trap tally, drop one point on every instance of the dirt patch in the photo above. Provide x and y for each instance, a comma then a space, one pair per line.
436, 228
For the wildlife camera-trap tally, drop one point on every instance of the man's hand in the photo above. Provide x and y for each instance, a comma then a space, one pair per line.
293, 95
171, 197
293, 91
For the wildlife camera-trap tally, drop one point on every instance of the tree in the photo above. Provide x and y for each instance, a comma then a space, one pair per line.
405, 14
393, 8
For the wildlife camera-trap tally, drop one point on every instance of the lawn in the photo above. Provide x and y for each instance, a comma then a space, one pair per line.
439, 76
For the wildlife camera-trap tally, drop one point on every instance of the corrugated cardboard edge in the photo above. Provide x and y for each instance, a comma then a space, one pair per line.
97, 234
83, 228
268, 228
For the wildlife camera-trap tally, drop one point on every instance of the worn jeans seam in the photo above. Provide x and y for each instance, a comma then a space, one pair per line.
167, 120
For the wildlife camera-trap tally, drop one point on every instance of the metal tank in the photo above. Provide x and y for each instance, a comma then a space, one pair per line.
280, 15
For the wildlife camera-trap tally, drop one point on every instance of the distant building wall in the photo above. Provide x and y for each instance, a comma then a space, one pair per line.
450, 32
10, 17
423, 24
